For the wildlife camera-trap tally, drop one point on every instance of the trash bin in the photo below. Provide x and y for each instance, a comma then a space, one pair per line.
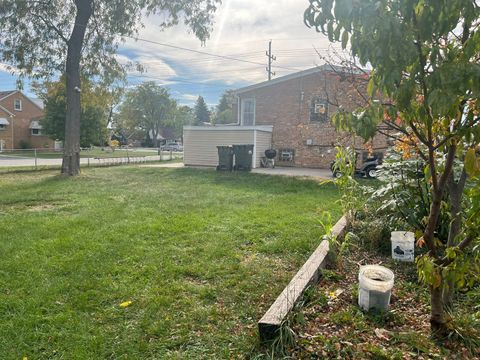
243, 157
225, 158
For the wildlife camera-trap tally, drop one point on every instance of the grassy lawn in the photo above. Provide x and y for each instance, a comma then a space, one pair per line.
96, 152
200, 255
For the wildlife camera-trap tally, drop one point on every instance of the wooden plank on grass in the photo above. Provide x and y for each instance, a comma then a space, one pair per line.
308, 274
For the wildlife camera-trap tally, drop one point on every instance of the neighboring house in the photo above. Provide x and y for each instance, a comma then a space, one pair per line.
20, 122
297, 108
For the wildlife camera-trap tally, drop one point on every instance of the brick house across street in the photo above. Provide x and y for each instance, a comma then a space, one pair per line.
20, 122
290, 114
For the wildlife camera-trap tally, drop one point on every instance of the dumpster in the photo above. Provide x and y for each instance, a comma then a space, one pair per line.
243, 157
225, 158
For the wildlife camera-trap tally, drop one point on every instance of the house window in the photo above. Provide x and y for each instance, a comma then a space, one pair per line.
248, 112
37, 132
17, 105
3, 123
318, 110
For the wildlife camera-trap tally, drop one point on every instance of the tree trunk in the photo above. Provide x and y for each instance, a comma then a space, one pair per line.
455, 191
439, 320
71, 152
438, 323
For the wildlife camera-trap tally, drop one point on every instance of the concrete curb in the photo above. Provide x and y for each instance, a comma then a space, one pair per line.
308, 274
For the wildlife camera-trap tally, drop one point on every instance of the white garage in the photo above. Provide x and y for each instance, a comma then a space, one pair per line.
200, 142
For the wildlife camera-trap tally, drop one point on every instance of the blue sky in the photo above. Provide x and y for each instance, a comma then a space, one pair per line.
241, 30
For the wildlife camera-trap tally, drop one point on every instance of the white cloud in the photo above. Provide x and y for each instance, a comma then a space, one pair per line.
242, 29
189, 97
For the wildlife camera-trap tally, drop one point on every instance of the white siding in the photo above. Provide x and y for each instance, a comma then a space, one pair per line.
263, 142
200, 143
200, 146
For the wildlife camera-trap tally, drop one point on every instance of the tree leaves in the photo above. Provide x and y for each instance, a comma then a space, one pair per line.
472, 163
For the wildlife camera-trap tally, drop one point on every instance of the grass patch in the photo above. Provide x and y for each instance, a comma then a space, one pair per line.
199, 254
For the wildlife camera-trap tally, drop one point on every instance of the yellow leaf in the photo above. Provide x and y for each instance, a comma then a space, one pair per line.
125, 304
471, 163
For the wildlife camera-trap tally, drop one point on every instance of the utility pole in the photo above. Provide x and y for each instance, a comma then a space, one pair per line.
270, 59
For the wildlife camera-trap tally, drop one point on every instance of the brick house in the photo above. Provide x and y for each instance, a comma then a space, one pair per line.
299, 107
20, 122
291, 114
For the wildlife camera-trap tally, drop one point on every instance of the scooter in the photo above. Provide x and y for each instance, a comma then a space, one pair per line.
368, 168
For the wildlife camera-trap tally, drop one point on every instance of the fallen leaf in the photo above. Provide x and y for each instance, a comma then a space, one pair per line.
382, 334
125, 304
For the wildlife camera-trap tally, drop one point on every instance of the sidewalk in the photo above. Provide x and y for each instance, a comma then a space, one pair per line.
319, 174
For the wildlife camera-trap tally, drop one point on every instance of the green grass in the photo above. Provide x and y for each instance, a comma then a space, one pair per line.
200, 254
96, 152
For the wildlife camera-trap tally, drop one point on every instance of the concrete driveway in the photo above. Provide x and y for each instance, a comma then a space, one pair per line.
319, 174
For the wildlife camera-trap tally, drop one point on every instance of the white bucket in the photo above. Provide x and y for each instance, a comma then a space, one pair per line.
403, 246
375, 285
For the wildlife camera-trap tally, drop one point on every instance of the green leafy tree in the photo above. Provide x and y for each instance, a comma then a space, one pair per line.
224, 109
426, 79
202, 115
148, 108
95, 108
43, 38
183, 116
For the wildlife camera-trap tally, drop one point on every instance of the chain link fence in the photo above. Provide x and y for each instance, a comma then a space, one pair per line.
35, 159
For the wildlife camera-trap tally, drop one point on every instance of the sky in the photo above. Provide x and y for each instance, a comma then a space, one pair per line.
242, 30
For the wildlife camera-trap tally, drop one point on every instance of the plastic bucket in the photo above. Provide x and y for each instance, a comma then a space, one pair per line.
403, 246
375, 285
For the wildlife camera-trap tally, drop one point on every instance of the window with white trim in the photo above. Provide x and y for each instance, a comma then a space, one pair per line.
318, 110
17, 105
37, 132
3, 127
248, 112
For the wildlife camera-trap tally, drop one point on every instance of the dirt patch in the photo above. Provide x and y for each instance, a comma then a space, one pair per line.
330, 325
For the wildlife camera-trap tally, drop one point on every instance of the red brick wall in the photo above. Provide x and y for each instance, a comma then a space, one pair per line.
283, 106
21, 123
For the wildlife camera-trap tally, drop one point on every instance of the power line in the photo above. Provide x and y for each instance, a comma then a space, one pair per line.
205, 52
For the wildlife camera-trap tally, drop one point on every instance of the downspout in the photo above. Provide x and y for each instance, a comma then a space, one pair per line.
254, 154
11, 120
238, 110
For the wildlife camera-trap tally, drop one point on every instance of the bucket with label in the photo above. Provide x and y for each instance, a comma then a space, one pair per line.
403, 246
375, 285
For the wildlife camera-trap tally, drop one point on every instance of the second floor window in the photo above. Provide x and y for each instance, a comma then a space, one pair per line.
318, 110
17, 105
248, 112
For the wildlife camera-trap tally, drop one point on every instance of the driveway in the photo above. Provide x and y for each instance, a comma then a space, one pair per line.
320, 174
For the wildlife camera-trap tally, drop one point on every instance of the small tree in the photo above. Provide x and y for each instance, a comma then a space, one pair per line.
224, 109
202, 115
95, 107
425, 56
41, 38
148, 108
183, 116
